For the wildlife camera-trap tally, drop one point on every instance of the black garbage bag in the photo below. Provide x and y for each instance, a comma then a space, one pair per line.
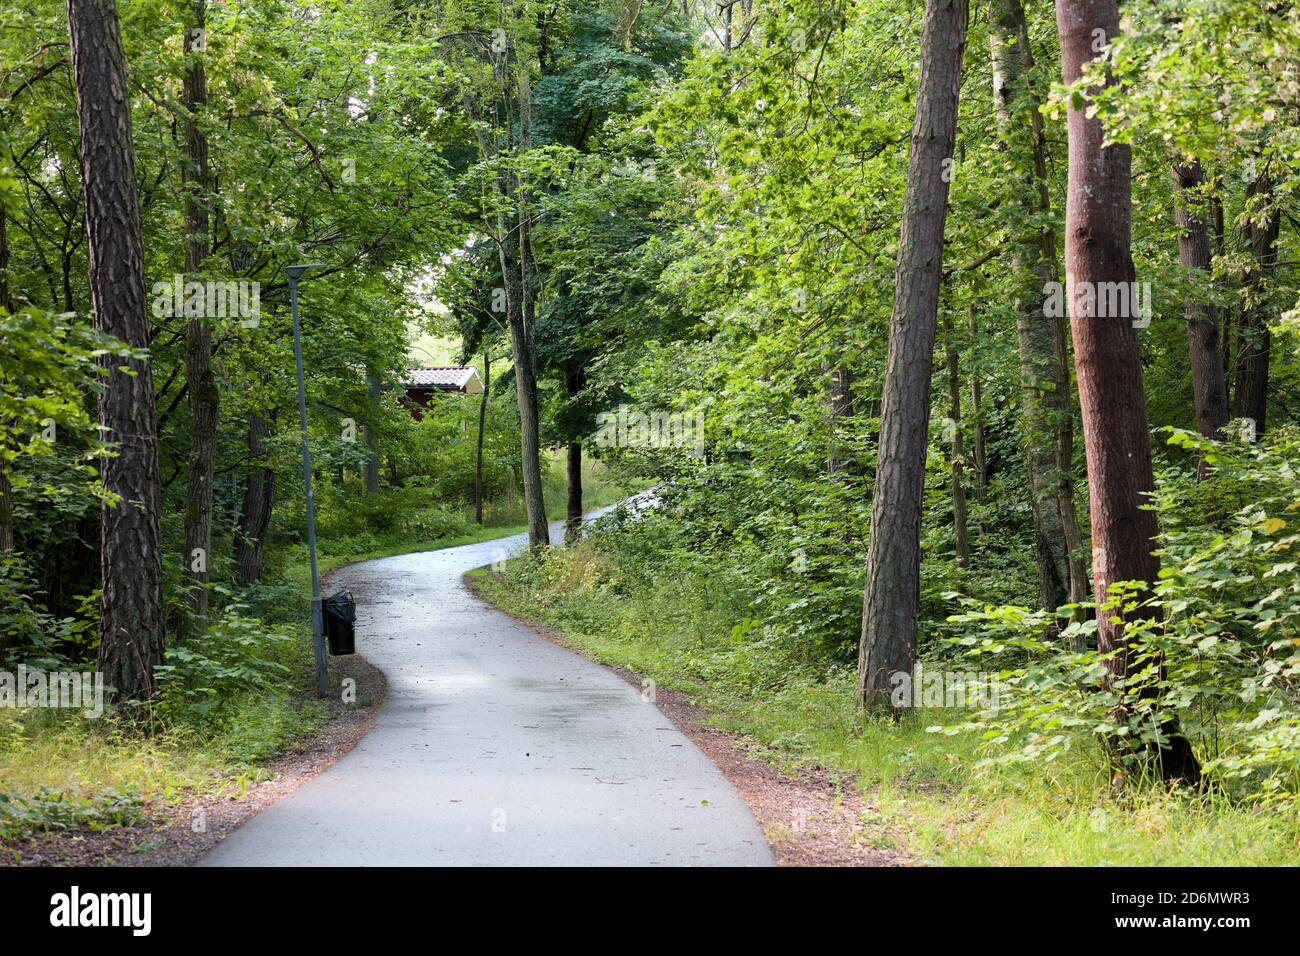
340, 613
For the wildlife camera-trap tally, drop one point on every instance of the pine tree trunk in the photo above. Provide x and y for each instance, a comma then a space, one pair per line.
259, 497
1107, 365
199, 376
1209, 390
131, 625
1047, 396
892, 591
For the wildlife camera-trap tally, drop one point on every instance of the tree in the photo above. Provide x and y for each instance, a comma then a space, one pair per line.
131, 626
1209, 385
1047, 396
1109, 371
199, 377
259, 498
1254, 341
508, 214
956, 455
892, 589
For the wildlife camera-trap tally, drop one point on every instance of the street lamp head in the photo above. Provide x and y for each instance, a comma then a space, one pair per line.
295, 272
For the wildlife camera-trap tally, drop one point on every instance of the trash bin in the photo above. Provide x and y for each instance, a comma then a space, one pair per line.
340, 613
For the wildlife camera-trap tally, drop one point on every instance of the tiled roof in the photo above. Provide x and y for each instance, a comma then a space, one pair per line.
439, 376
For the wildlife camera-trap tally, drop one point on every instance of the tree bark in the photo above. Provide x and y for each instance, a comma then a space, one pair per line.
482, 427
1046, 394
131, 625
1209, 389
1253, 338
1108, 368
203, 392
892, 591
259, 498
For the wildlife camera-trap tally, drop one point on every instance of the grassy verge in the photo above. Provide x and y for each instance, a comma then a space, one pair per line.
678, 630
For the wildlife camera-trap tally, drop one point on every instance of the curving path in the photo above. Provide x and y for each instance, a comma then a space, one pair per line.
495, 747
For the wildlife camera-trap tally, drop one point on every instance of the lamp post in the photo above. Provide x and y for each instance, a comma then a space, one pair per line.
317, 618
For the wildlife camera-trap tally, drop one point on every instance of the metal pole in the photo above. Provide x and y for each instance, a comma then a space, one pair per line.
317, 620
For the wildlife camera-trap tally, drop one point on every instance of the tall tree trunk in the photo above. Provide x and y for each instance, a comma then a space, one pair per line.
960, 535
259, 498
368, 431
1047, 397
1253, 338
482, 426
1111, 398
1209, 390
521, 337
199, 376
573, 384
892, 590
131, 625
514, 248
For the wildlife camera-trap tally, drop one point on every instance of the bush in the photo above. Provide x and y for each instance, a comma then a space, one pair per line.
1218, 649
203, 682
49, 810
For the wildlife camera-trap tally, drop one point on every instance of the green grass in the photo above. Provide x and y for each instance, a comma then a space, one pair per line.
926, 784
58, 770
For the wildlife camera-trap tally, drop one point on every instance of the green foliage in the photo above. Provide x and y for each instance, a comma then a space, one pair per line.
28, 632
48, 810
205, 682
1216, 647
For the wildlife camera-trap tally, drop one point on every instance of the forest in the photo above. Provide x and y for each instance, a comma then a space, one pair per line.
943, 355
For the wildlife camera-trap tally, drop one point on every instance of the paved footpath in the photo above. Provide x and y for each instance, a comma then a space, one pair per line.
496, 747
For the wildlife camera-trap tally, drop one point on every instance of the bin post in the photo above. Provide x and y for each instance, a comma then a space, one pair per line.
317, 620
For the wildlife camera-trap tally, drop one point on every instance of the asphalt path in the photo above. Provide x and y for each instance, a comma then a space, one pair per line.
496, 747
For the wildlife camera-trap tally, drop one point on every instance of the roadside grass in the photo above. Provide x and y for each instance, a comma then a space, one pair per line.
931, 786
60, 770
